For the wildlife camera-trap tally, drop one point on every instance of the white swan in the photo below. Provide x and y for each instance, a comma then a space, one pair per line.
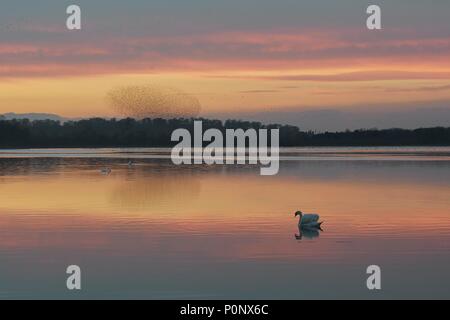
310, 220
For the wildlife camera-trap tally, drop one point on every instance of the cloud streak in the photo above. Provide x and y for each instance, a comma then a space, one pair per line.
240, 50
359, 76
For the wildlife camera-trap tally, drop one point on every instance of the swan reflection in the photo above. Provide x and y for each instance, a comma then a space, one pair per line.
308, 233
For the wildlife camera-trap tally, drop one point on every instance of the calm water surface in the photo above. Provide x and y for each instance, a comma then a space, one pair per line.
155, 230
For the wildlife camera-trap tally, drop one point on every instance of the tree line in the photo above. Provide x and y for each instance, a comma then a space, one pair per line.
98, 132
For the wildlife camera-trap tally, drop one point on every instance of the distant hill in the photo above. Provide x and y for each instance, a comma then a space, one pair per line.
32, 116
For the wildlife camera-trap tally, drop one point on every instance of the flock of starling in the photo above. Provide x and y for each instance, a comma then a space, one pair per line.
151, 101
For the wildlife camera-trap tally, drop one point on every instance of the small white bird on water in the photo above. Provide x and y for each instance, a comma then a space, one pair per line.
105, 171
308, 220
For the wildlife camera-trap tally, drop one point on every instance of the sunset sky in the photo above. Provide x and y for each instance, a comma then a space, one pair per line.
310, 63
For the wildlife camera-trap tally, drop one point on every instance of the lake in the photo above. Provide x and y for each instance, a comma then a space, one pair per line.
159, 231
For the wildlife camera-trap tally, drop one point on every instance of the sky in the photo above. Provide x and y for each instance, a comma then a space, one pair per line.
307, 63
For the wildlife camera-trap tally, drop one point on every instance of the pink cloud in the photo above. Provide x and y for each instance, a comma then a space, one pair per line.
285, 49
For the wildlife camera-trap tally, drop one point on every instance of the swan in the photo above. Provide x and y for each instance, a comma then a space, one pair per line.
308, 220
130, 163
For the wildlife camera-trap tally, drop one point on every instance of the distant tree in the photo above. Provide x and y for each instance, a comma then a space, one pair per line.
98, 132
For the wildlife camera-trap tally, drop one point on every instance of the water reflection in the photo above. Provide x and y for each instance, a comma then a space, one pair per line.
308, 233
154, 230
155, 190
